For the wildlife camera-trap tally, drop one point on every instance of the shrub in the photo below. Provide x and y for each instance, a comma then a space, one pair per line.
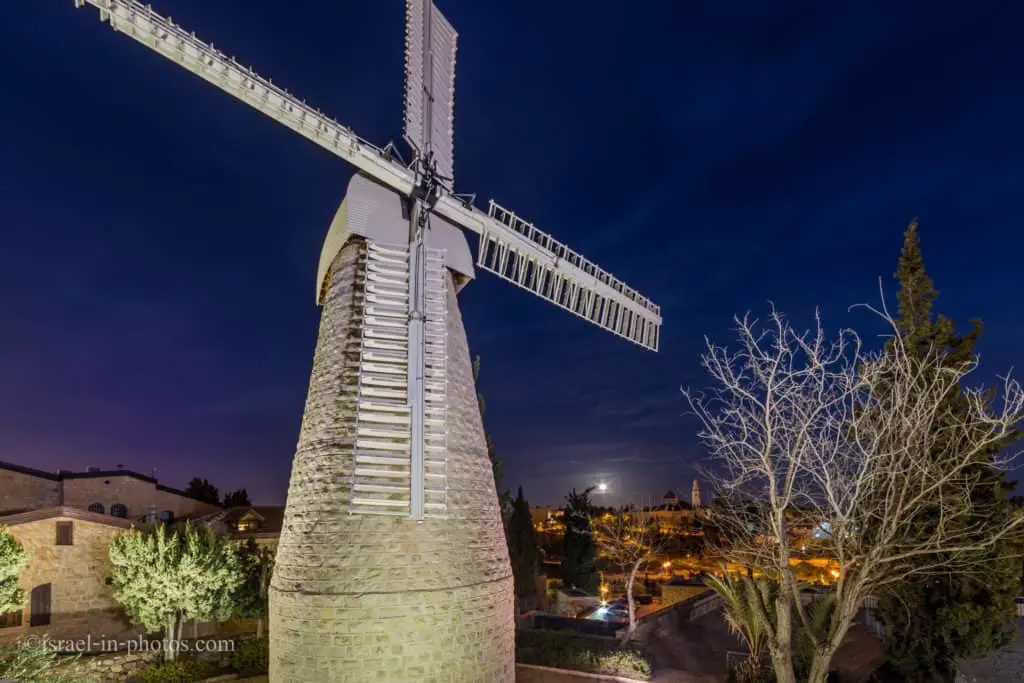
186, 670
35, 665
750, 671
252, 657
591, 654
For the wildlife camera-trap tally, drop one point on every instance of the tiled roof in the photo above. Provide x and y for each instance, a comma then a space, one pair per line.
60, 511
270, 517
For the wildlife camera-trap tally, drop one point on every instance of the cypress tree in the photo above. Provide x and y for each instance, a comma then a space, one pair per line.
522, 547
932, 620
579, 555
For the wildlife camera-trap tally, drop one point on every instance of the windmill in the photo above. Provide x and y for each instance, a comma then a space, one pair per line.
392, 562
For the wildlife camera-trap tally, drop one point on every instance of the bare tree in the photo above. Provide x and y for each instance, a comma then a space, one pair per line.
628, 539
805, 432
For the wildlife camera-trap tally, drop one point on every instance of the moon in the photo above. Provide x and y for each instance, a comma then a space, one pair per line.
602, 487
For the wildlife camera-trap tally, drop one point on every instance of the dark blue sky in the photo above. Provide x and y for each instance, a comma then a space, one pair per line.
159, 240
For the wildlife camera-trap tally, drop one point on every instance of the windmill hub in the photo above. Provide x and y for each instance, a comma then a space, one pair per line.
428, 186
392, 563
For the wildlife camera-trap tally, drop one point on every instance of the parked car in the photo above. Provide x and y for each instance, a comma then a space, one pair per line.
616, 614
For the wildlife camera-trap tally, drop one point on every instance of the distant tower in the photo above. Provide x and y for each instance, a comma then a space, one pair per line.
695, 494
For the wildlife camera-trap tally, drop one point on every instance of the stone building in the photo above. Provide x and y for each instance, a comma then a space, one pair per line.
65, 521
671, 518
65, 574
118, 492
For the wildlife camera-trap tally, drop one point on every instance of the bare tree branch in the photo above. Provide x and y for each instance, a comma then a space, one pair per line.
810, 432
628, 539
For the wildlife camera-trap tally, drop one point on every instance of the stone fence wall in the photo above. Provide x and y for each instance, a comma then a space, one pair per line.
116, 667
112, 666
669, 619
530, 673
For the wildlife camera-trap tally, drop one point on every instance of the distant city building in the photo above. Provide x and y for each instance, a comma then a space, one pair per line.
541, 513
695, 494
670, 498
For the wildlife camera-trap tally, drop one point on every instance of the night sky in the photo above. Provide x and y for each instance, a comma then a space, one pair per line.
159, 239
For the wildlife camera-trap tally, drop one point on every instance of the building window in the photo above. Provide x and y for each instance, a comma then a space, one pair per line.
167, 516
40, 606
97, 508
65, 533
118, 510
10, 619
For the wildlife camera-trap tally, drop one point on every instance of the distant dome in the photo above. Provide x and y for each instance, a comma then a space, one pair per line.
671, 495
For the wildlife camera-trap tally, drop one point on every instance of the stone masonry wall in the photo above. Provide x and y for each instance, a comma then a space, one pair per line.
367, 598
19, 491
135, 494
81, 603
122, 665
115, 667
529, 673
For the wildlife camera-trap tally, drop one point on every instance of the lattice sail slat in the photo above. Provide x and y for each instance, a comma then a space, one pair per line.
430, 47
533, 263
382, 470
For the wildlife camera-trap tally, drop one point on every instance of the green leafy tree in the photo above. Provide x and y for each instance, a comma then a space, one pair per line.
522, 547
239, 498
12, 557
162, 578
251, 601
504, 496
201, 489
933, 619
579, 550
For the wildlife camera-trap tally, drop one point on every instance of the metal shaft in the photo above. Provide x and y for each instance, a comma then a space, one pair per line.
417, 399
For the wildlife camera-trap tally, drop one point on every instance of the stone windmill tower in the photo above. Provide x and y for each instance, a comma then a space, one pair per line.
392, 563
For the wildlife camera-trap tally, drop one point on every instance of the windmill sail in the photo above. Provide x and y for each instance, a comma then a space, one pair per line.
430, 44
160, 34
519, 253
589, 292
